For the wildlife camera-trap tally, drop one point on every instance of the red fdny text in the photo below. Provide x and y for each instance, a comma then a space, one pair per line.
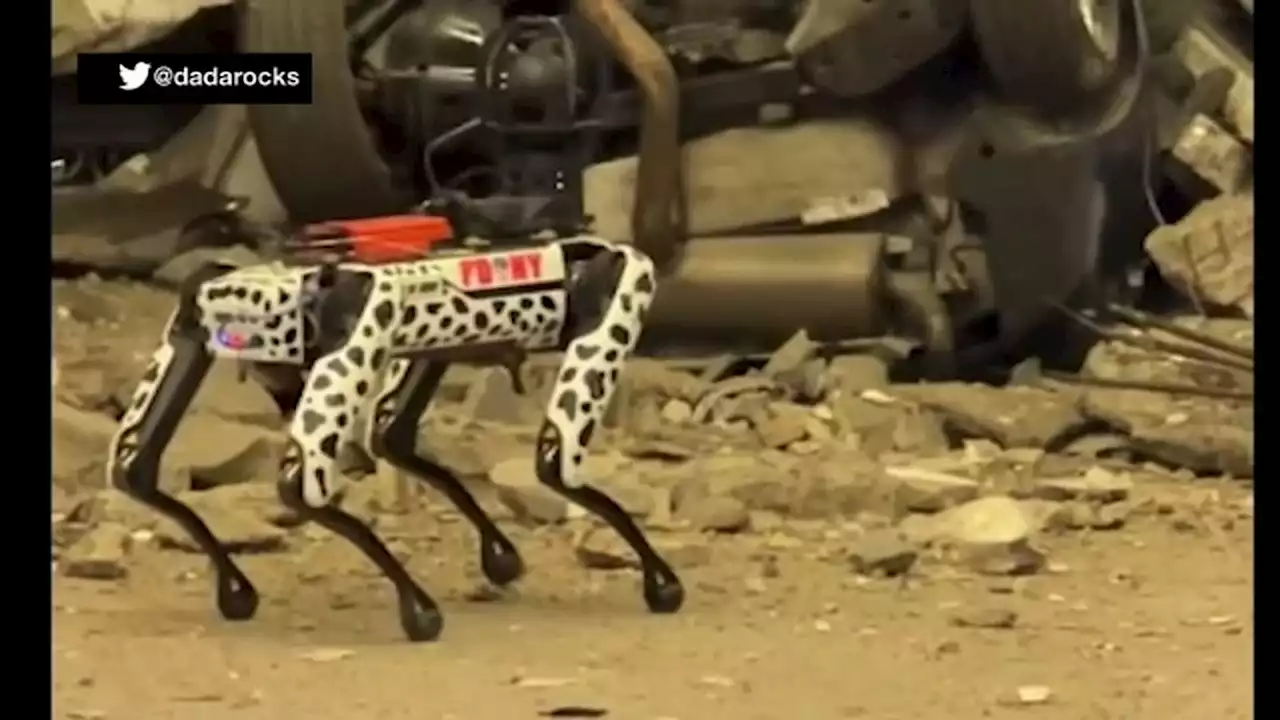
498, 270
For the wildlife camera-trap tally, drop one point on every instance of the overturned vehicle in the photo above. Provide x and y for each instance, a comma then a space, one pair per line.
937, 171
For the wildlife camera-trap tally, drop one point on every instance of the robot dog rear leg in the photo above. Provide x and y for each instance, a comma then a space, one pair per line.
602, 338
395, 436
338, 398
171, 381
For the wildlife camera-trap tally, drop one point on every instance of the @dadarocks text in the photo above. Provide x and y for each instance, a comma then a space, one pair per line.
191, 79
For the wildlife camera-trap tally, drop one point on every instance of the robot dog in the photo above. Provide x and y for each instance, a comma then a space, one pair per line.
367, 315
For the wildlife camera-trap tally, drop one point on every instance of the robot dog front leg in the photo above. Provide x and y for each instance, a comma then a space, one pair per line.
338, 398
162, 397
602, 332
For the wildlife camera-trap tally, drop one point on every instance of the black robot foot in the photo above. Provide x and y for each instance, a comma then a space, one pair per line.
663, 593
420, 617
237, 598
500, 562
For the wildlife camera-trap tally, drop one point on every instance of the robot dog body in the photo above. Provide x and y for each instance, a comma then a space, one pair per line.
369, 337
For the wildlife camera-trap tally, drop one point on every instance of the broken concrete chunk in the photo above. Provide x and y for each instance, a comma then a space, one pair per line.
852, 374
600, 548
924, 490
80, 444
215, 452
1213, 155
519, 491
239, 532
992, 535
883, 552
716, 513
1011, 416
1209, 254
100, 554
784, 424
1098, 484
114, 507
225, 394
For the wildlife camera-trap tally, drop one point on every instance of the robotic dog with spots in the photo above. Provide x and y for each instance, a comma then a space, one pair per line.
364, 338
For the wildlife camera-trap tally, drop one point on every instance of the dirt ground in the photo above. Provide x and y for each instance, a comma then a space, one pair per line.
1142, 610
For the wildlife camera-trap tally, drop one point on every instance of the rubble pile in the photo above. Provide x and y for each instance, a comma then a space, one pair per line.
889, 475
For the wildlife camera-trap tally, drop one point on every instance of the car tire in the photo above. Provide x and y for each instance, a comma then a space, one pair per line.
1054, 57
321, 158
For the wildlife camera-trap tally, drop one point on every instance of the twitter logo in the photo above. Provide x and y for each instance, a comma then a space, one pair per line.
132, 78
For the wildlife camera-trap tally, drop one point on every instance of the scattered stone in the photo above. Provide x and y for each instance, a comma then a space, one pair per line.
1218, 159
600, 548
327, 655
992, 535
988, 617
238, 530
784, 424
228, 395
519, 490
213, 452
882, 553
176, 271
100, 554
1209, 254
716, 513
113, 506
653, 448
710, 403
1029, 695
1097, 485
1011, 416
80, 444
924, 490
491, 397
791, 356
852, 374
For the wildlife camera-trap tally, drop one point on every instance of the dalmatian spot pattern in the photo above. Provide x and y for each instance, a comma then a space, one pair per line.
592, 363
412, 308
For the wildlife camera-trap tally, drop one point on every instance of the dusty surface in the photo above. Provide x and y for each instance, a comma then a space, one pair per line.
851, 549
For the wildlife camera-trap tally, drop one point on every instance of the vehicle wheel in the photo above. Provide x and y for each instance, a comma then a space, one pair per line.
321, 158
1052, 57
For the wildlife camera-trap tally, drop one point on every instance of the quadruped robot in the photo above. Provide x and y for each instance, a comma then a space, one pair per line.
366, 315
373, 334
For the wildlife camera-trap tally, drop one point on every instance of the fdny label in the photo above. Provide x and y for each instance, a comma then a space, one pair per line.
490, 271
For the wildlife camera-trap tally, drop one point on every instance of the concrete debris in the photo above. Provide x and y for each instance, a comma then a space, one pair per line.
600, 548
852, 374
992, 535
80, 443
1096, 485
1202, 49
987, 616
782, 425
175, 272
795, 367
716, 513
1208, 255
1011, 416
1214, 156
236, 454
924, 490
521, 493
100, 554
882, 552
877, 428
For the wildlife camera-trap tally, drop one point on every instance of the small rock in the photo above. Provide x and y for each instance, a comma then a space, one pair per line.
113, 506
717, 513
99, 555
214, 452
984, 617
1097, 485
1033, 694
677, 412
327, 655
791, 356
993, 536
882, 552
784, 424
239, 531
924, 490
852, 374
519, 490
600, 548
